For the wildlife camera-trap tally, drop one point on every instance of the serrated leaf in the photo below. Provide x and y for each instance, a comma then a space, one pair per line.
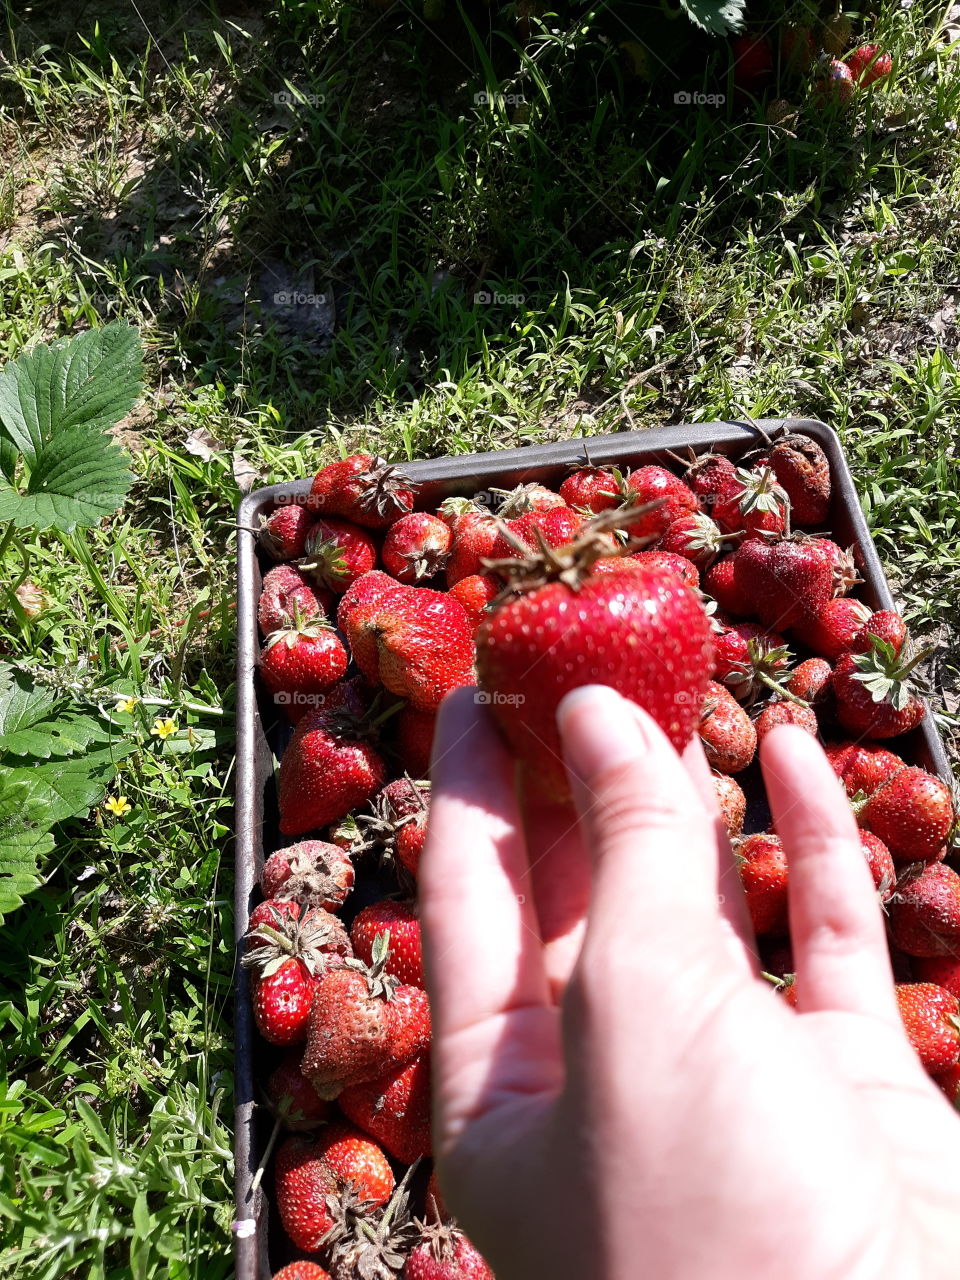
719, 17
34, 722
71, 786
24, 839
56, 403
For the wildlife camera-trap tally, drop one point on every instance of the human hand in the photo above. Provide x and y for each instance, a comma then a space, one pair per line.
618, 1092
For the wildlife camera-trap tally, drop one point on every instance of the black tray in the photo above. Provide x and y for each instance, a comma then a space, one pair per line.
258, 738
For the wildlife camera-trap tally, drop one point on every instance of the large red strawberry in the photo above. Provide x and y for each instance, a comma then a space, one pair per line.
286, 595
366, 590
416, 547
655, 484
312, 1173
931, 1019
912, 813
293, 1099
644, 633
874, 694
868, 65
475, 592
925, 913
862, 766
300, 663
786, 580
328, 768
942, 970
337, 553
445, 1253
758, 508
592, 490
416, 642
556, 527
728, 736
803, 472
720, 582
394, 1108
398, 923
362, 1024
362, 488
763, 874
313, 872
831, 628
283, 533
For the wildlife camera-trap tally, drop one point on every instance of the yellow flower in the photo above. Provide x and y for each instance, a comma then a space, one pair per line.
118, 806
126, 705
163, 728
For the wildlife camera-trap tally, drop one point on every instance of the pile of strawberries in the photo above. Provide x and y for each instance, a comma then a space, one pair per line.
698, 595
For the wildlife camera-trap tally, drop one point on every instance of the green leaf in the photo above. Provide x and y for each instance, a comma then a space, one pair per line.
70, 786
24, 839
56, 404
34, 721
719, 17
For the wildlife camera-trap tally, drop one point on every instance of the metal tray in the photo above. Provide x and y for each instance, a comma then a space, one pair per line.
256, 815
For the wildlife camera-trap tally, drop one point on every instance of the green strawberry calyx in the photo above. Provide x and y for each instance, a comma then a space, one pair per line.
885, 674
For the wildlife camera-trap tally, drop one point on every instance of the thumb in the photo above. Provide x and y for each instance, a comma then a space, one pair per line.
649, 835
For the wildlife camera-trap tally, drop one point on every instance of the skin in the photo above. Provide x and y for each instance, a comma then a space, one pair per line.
618, 1094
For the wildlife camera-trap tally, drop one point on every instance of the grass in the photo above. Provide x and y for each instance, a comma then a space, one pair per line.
499, 245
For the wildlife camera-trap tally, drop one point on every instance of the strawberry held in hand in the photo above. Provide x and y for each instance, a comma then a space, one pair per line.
643, 633
361, 488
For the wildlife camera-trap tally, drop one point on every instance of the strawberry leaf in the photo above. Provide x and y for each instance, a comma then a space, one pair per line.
58, 466
716, 16
24, 839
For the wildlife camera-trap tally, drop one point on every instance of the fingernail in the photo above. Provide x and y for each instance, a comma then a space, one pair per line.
599, 730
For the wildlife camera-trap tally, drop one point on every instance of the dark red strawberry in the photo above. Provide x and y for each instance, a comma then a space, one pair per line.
288, 954
300, 663
685, 569
398, 923
731, 802
655, 484
475, 592
312, 1173
779, 711
868, 65
713, 479
797, 50
860, 766
803, 472
283, 533
749, 660
337, 553
362, 1024
366, 590
925, 913
445, 1253
293, 1099
944, 971
362, 488
810, 680
728, 736
328, 768
643, 633
949, 1082
881, 866
912, 813
763, 873
883, 625
752, 63
313, 872
786, 580
268, 912
416, 547
474, 532
831, 628
285, 595
931, 1019
394, 1108
396, 825
874, 693
720, 582
592, 490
